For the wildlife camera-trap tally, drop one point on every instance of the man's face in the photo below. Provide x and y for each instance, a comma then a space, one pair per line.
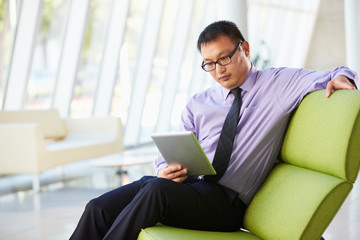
233, 74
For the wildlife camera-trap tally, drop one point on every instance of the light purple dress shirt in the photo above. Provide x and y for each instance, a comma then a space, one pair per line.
268, 98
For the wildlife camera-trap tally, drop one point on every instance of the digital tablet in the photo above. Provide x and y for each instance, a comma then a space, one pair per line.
183, 148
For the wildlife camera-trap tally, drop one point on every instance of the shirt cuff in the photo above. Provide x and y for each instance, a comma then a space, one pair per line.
160, 166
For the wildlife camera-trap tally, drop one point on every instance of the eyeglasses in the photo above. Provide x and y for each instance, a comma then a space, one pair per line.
221, 61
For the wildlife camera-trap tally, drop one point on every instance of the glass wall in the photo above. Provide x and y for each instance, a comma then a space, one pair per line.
8, 17
46, 56
91, 57
160, 64
127, 59
133, 59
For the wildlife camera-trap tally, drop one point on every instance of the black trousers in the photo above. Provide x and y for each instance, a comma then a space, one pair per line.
193, 204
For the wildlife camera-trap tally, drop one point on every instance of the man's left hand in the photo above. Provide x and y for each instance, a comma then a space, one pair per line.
340, 82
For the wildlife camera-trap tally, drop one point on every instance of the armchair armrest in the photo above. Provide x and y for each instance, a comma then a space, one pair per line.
20, 146
96, 128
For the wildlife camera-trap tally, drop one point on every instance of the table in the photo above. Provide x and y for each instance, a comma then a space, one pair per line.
125, 159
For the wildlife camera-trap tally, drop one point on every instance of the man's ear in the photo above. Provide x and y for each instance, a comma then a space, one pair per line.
246, 48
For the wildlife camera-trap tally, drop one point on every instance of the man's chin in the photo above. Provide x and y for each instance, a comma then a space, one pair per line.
227, 85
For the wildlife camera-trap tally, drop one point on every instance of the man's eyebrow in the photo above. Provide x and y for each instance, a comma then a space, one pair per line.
207, 59
220, 55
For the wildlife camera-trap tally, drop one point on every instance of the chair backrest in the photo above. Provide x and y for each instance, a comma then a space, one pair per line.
321, 159
50, 123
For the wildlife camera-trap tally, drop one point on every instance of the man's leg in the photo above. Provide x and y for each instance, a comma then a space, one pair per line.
101, 212
197, 205
214, 208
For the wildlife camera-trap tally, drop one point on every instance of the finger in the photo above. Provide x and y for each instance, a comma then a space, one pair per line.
329, 88
173, 171
180, 179
171, 168
177, 174
166, 171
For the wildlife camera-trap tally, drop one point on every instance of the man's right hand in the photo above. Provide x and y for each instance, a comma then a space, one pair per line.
174, 172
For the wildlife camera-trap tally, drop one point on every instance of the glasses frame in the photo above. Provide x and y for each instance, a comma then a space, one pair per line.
203, 64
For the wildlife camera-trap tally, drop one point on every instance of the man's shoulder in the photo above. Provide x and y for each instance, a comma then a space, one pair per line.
212, 91
276, 73
274, 70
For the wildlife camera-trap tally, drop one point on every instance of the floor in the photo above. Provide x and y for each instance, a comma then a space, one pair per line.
54, 213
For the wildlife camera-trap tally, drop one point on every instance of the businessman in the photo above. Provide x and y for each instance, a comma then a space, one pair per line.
240, 124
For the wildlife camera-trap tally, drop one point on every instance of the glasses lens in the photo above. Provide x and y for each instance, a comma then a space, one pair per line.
209, 66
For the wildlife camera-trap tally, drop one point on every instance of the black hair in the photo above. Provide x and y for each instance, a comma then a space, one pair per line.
214, 30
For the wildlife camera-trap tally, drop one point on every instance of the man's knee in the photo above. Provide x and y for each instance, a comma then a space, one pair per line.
93, 205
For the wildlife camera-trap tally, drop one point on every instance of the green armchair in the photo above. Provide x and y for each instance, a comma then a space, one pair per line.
319, 162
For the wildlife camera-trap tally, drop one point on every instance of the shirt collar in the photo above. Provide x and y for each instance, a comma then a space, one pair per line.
247, 85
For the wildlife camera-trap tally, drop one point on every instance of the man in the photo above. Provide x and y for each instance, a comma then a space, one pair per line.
267, 99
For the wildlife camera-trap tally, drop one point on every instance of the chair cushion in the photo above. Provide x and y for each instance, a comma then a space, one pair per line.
295, 203
161, 232
324, 134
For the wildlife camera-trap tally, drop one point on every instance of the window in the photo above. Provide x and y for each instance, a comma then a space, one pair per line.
155, 65
8, 16
91, 58
128, 53
47, 54
159, 70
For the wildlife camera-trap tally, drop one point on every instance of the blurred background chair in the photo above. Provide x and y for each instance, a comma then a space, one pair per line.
35, 141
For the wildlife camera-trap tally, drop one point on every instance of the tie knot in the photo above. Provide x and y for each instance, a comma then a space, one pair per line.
236, 92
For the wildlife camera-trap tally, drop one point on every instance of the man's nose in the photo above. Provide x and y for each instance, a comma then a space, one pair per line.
219, 68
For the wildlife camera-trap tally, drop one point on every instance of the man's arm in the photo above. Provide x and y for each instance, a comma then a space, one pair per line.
291, 85
339, 82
